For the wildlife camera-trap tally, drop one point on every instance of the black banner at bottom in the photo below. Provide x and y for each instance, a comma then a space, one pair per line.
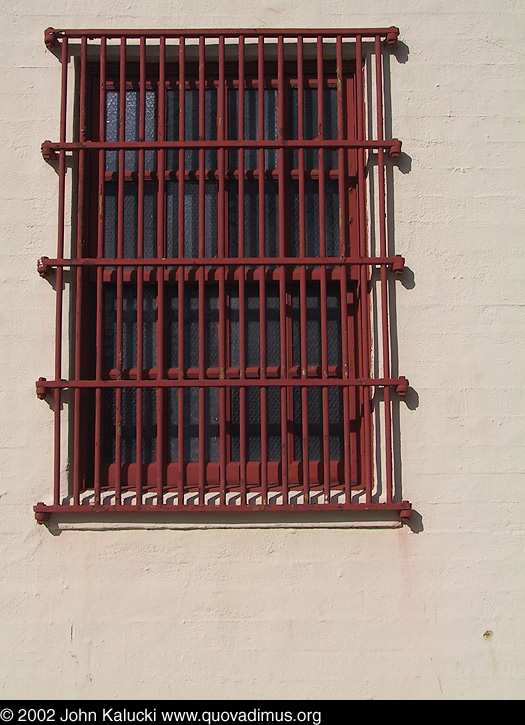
170, 712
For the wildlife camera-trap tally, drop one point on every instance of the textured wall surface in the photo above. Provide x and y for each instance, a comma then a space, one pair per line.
296, 612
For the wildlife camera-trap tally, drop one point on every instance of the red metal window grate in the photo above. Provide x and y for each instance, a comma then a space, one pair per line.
219, 274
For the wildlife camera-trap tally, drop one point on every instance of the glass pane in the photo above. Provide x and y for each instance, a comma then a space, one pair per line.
172, 325
312, 220
335, 417
172, 127
271, 218
193, 218
271, 156
129, 326
315, 424
172, 424
253, 424
274, 423
128, 426
191, 424
112, 112
130, 217
251, 218
311, 125
191, 126
273, 343
191, 326
234, 325
313, 324
252, 325
131, 127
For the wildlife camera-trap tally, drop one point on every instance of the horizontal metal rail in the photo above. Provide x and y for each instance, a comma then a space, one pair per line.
44, 511
53, 35
45, 263
394, 145
401, 384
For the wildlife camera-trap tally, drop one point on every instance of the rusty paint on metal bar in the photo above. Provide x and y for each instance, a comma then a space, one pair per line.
211, 174
251, 372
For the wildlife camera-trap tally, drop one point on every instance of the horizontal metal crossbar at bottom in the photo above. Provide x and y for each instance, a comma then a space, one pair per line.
43, 512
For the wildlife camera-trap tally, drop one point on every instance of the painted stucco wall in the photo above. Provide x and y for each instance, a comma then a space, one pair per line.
296, 612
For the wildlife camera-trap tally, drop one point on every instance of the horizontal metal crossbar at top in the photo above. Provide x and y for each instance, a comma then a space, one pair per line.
52, 36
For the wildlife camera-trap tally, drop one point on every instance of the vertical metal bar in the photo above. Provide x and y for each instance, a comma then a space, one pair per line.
120, 271
180, 271
322, 252
262, 271
79, 273
222, 290
60, 276
221, 218
363, 278
384, 282
302, 282
140, 270
282, 269
342, 184
161, 165
202, 247
99, 284
242, 286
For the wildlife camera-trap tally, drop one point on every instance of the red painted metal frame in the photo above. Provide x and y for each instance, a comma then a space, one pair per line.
53, 36
351, 269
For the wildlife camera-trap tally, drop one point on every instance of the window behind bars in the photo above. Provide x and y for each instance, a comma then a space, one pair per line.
220, 273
